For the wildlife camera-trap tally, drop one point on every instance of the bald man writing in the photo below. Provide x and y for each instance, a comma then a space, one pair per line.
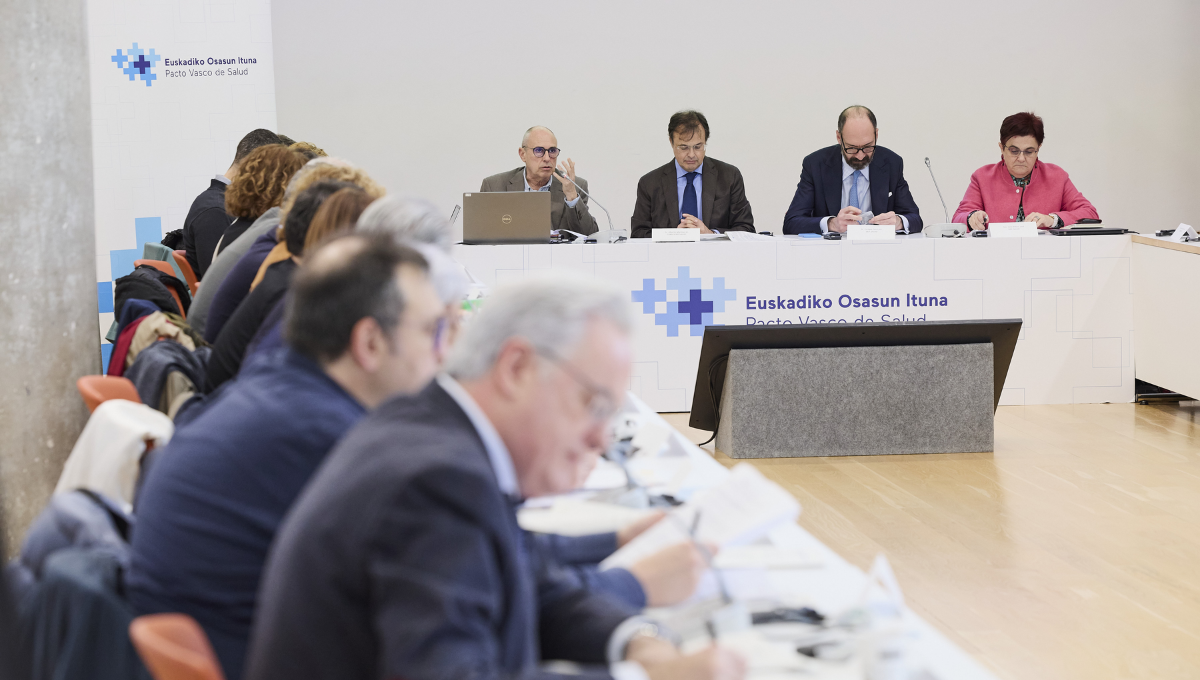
539, 152
841, 182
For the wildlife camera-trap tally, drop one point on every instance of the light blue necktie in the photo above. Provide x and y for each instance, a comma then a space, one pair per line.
854, 189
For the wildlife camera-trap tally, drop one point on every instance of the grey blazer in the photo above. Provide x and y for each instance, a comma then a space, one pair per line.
561, 217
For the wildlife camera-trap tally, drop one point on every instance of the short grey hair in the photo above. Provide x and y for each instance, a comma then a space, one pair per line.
407, 219
445, 273
551, 312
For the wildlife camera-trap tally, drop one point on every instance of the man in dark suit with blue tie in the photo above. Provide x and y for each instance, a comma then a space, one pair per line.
403, 557
839, 183
693, 191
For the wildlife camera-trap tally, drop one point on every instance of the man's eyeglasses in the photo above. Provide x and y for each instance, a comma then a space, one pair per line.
1017, 153
855, 150
694, 147
600, 403
540, 151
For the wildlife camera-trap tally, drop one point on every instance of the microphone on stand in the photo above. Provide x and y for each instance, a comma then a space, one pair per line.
939, 191
594, 201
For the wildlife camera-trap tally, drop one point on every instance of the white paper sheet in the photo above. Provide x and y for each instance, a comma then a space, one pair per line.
740, 510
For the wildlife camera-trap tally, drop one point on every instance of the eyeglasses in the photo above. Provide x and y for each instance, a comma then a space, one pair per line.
599, 402
540, 151
694, 147
855, 150
1014, 151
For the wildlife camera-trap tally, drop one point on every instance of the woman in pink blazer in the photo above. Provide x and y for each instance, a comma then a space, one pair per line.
1020, 188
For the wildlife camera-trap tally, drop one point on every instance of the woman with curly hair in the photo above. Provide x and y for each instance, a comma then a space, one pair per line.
259, 187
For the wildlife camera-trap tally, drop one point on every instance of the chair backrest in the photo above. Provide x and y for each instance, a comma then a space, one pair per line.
166, 269
189, 276
97, 389
157, 251
174, 647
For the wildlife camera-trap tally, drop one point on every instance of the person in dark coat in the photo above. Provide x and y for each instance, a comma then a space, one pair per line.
363, 327
403, 557
207, 220
233, 337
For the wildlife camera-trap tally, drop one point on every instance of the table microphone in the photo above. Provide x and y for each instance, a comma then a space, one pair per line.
939, 191
597, 203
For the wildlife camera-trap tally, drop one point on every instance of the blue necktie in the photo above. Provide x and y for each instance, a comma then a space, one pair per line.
689, 198
854, 188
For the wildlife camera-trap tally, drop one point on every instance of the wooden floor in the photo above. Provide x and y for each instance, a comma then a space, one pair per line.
1073, 551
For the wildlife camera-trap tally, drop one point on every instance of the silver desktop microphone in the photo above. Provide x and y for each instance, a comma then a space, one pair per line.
939, 191
594, 201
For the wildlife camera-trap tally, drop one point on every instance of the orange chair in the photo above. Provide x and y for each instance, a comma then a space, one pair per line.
97, 389
166, 268
188, 275
174, 647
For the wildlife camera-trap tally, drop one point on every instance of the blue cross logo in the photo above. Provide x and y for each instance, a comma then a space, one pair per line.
684, 302
139, 67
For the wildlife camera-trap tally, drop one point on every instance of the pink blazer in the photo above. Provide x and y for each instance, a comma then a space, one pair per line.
1050, 191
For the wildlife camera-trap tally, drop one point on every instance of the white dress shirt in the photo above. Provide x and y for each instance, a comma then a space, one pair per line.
864, 193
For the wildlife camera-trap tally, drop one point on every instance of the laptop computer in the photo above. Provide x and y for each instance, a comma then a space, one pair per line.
1090, 230
506, 217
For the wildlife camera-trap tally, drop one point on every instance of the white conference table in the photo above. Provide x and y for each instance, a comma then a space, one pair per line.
1073, 293
828, 583
1166, 278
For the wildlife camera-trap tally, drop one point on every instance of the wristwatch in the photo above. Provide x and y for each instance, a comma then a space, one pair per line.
650, 629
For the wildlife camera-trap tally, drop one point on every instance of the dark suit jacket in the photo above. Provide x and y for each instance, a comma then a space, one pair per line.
723, 204
561, 217
206, 221
819, 193
402, 559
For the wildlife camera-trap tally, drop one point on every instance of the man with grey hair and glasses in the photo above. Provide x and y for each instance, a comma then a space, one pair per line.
404, 559
664, 578
539, 154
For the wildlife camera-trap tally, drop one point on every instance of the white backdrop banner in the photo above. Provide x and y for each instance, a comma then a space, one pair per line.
175, 85
1072, 293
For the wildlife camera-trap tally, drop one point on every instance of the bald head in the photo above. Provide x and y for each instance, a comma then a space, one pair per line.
334, 256
856, 112
537, 129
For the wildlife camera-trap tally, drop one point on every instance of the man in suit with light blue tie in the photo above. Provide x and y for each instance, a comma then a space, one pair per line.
839, 183
693, 191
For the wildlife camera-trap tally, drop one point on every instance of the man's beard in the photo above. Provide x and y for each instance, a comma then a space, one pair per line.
856, 163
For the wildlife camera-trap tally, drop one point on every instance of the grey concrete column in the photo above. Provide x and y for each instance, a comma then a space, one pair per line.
48, 316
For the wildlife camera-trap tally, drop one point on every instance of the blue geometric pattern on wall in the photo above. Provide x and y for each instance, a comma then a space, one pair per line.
104, 296
693, 306
147, 230
136, 63
121, 261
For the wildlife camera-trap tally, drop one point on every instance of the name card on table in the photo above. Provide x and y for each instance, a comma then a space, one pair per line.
675, 235
1012, 229
871, 232
1183, 231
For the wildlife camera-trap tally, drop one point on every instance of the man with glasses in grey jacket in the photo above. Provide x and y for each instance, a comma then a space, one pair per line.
539, 152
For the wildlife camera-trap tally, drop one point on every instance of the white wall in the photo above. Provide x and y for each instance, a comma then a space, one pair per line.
432, 97
155, 147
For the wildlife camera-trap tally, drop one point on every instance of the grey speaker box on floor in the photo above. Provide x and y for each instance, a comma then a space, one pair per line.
858, 401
